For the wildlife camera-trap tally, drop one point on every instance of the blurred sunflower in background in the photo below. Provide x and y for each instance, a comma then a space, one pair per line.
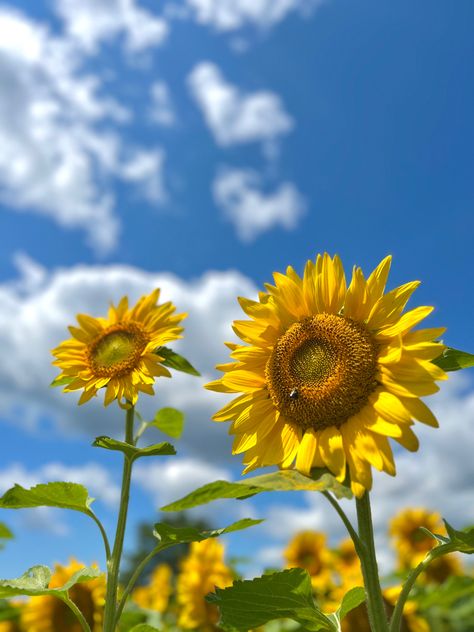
308, 550
412, 544
50, 614
156, 595
202, 571
118, 352
329, 372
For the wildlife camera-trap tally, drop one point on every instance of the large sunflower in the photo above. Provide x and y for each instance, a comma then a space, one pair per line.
329, 372
118, 352
50, 614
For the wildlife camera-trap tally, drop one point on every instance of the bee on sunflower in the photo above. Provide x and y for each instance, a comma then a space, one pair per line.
329, 372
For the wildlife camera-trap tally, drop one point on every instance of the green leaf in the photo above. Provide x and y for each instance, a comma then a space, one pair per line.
5, 533
283, 595
173, 360
351, 600
36, 581
282, 480
143, 627
453, 360
63, 495
170, 421
169, 535
131, 451
62, 381
462, 541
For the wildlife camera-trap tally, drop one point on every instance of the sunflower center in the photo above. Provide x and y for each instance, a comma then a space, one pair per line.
117, 350
322, 371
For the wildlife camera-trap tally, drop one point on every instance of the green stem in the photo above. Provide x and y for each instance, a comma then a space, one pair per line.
347, 523
77, 612
103, 533
113, 565
136, 574
375, 605
396, 619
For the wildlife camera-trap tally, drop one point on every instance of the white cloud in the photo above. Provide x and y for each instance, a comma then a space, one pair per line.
59, 143
92, 475
229, 15
162, 110
239, 192
34, 318
91, 21
233, 116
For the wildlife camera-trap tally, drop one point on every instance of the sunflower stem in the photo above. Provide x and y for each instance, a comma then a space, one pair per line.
395, 621
375, 605
80, 617
113, 565
347, 523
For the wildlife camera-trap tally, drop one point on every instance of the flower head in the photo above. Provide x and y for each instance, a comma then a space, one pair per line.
118, 353
202, 571
308, 550
50, 614
155, 596
329, 372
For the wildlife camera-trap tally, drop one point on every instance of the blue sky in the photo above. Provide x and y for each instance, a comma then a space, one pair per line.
201, 145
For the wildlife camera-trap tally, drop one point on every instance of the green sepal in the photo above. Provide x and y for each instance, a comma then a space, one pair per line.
282, 480
169, 535
286, 594
174, 360
62, 380
131, 451
36, 580
170, 421
58, 494
454, 360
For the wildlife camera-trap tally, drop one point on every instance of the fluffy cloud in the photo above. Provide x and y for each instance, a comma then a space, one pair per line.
161, 110
37, 309
234, 116
91, 21
59, 143
93, 476
229, 15
253, 211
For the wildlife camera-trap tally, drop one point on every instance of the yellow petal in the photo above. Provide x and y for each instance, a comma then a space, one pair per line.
405, 323
420, 411
306, 452
332, 451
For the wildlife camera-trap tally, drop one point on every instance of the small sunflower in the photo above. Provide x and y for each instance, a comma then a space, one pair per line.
118, 353
202, 571
412, 544
328, 373
308, 550
50, 614
155, 596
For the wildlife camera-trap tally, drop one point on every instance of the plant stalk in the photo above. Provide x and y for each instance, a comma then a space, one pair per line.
113, 566
375, 605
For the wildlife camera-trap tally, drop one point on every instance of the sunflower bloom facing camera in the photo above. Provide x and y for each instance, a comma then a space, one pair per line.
329, 373
308, 550
118, 352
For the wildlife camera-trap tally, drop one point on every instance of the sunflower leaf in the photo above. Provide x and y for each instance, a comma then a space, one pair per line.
170, 421
5, 533
175, 361
462, 540
282, 480
353, 598
36, 581
131, 451
169, 535
63, 495
143, 627
454, 360
286, 594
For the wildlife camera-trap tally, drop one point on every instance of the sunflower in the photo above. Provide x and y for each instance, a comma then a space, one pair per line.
50, 614
412, 544
202, 571
156, 595
118, 352
328, 373
308, 550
